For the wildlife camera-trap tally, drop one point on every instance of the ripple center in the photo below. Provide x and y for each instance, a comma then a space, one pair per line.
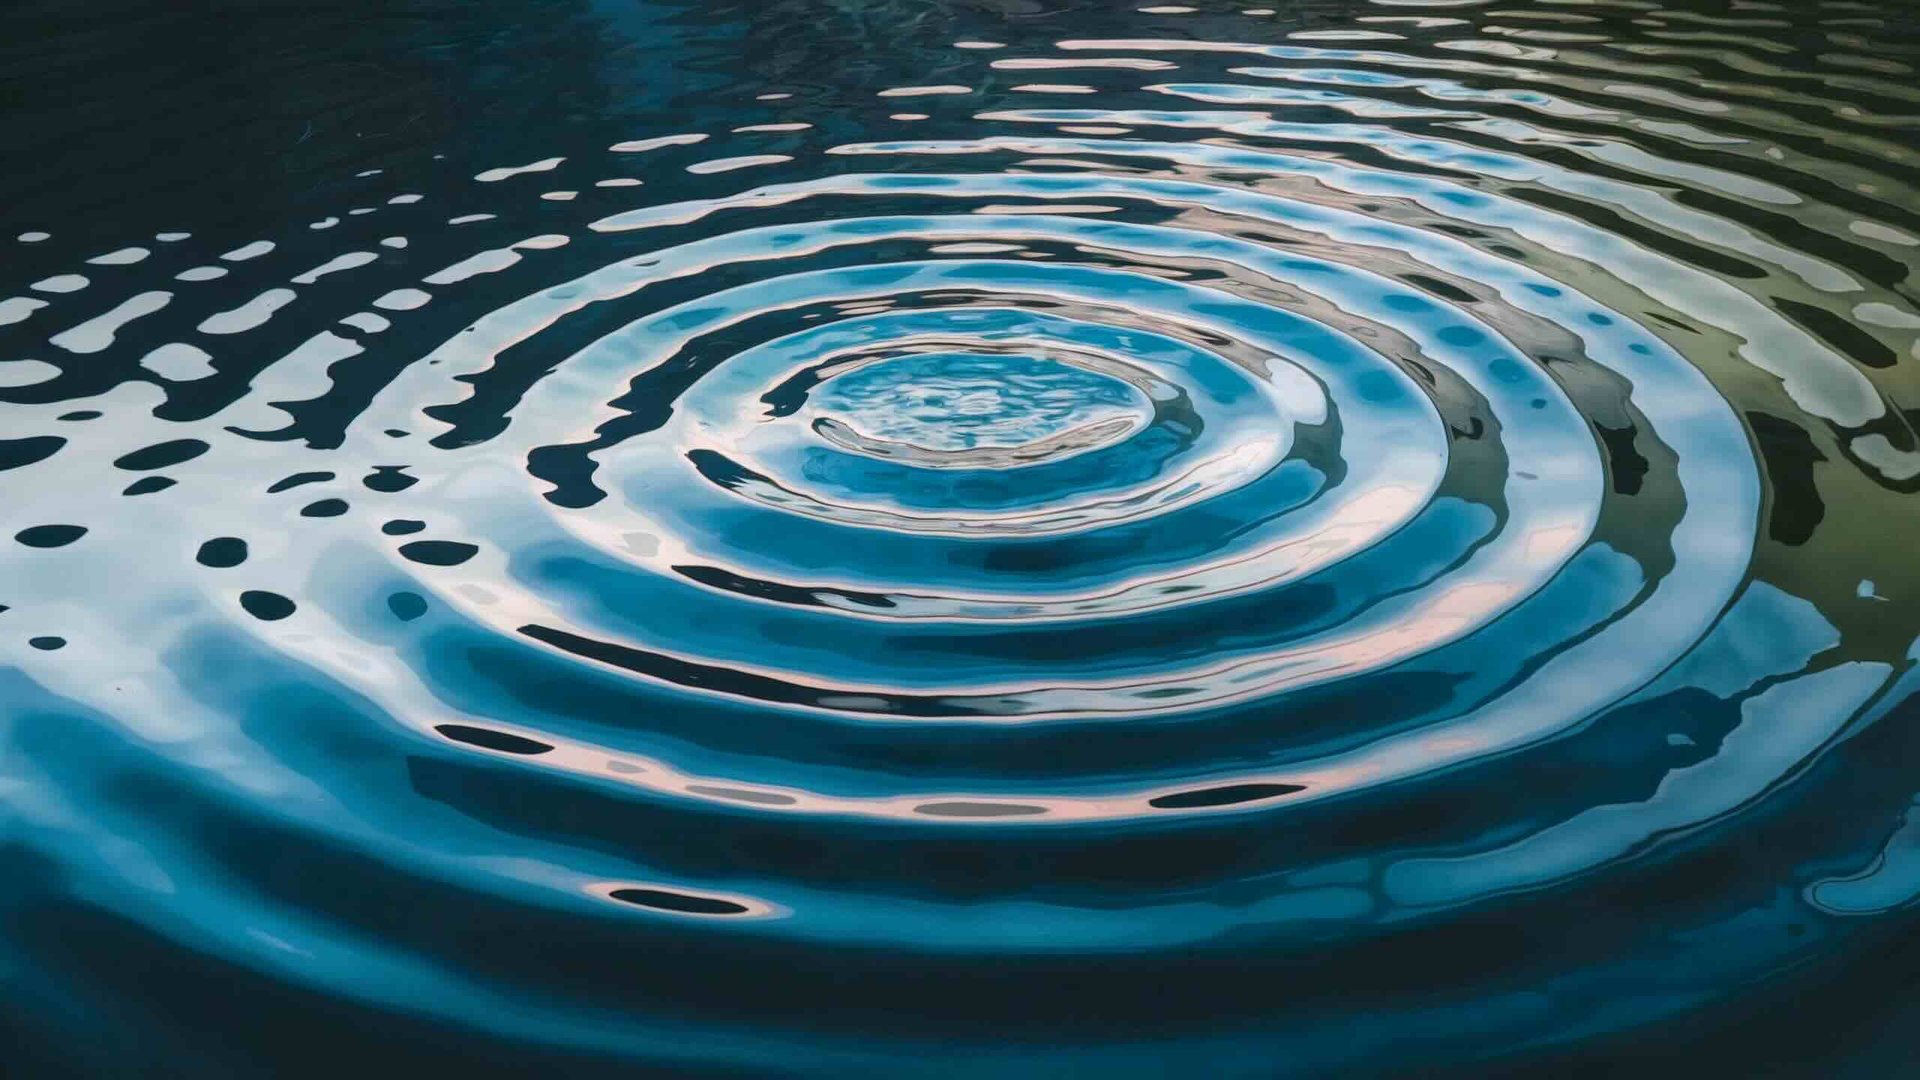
976, 409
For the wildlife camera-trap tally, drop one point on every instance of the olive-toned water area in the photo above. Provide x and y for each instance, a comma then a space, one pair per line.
960, 538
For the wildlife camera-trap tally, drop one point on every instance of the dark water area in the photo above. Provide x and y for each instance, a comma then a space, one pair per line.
1014, 538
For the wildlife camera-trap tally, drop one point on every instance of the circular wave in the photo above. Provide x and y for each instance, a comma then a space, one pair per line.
1286, 514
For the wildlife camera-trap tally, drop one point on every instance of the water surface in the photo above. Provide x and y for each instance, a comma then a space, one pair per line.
960, 537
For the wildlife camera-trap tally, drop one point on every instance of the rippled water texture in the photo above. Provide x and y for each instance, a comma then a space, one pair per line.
960, 537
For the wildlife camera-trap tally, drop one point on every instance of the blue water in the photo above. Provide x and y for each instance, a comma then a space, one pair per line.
1014, 538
